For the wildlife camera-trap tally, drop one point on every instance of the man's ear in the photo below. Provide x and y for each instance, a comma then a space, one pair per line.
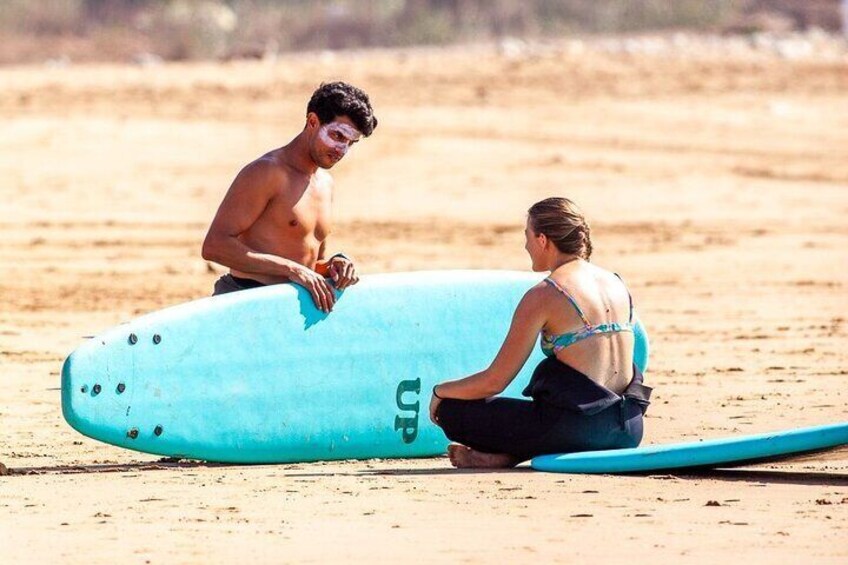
312, 121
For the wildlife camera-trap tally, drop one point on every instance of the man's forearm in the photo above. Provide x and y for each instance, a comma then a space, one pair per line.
268, 264
236, 255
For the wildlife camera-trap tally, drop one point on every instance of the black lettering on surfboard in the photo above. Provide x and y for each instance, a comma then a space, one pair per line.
408, 425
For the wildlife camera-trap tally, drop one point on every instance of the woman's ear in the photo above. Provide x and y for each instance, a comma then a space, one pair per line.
543, 241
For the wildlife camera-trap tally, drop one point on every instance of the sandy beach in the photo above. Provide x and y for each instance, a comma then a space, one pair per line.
716, 184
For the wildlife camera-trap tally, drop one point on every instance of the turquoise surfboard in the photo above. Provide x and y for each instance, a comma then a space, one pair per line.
262, 376
724, 452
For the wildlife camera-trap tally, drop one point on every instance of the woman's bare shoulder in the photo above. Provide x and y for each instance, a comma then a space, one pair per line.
539, 296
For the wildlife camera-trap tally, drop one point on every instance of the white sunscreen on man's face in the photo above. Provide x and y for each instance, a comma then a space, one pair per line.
339, 136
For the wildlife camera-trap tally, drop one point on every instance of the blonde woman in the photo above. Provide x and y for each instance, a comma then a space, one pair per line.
587, 394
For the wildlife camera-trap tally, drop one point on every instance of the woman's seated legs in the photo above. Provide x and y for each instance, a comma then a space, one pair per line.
496, 425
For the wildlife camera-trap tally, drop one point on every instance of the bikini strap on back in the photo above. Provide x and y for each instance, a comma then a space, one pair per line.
629, 296
580, 313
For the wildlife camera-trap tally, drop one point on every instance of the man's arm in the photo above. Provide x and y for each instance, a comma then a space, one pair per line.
251, 191
244, 202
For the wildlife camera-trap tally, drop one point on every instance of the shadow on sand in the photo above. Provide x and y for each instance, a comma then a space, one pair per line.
161, 465
769, 476
317, 470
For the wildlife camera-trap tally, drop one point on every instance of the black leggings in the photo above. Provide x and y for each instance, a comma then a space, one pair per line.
591, 418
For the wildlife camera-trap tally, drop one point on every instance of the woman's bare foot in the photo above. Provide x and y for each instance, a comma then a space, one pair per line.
463, 457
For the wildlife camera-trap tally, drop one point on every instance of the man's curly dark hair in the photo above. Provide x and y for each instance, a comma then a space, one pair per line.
334, 99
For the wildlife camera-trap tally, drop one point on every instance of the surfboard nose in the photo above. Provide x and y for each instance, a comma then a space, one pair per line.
93, 399
74, 386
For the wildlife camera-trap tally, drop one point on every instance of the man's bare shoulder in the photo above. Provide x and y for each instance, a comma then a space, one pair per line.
269, 164
262, 174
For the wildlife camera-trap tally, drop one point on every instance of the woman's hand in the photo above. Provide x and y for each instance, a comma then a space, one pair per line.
434, 405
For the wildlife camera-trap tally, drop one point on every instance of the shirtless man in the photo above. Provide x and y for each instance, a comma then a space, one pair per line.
274, 221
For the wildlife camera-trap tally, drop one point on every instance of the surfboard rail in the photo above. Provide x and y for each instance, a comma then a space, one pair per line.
711, 453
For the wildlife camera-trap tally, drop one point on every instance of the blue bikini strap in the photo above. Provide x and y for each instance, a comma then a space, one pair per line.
553, 283
629, 296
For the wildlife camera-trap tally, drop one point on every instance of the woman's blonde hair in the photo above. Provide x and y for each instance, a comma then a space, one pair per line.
563, 223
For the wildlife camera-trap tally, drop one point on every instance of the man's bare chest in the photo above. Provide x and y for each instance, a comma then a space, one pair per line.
309, 216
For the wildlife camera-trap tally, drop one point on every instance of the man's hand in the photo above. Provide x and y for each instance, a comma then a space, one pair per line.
318, 287
342, 271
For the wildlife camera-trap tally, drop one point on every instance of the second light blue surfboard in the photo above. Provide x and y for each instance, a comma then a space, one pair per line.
723, 452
